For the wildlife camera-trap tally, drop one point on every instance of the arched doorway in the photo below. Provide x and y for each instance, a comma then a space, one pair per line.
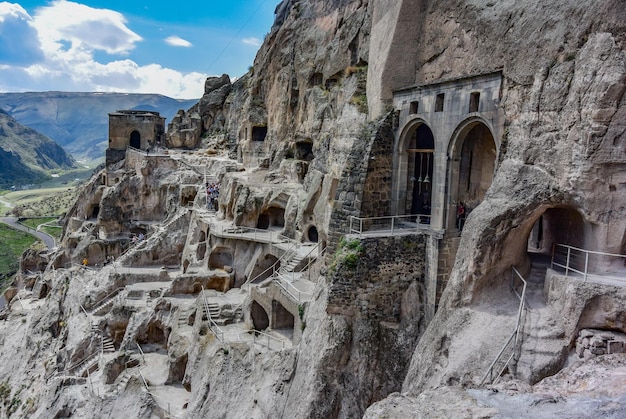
413, 190
135, 139
473, 160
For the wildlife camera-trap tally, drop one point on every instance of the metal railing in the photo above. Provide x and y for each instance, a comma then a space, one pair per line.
508, 349
249, 233
391, 225
235, 336
585, 262
101, 302
276, 265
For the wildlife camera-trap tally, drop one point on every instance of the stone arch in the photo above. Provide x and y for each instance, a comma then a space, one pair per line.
415, 169
135, 139
220, 256
472, 152
560, 224
260, 319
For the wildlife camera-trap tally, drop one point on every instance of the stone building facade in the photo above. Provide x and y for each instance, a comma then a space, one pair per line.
136, 129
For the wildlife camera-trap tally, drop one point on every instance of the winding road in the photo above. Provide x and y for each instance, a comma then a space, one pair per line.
46, 238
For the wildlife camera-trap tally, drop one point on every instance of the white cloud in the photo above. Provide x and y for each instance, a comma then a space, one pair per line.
255, 42
176, 41
55, 50
84, 28
19, 43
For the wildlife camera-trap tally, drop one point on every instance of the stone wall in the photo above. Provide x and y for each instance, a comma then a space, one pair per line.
374, 284
377, 188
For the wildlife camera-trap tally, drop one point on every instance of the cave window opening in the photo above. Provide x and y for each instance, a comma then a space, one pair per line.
260, 319
439, 102
95, 211
414, 107
304, 150
135, 140
259, 133
263, 222
312, 234
317, 79
474, 102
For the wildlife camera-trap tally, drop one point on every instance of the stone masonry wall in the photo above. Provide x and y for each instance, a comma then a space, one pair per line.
374, 284
377, 188
350, 193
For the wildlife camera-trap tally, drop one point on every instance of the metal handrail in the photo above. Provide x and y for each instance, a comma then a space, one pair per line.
516, 331
569, 259
282, 258
110, 295
220, 334
420, 219
284, 283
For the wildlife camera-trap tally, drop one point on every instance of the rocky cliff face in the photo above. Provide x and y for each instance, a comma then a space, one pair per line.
307, 139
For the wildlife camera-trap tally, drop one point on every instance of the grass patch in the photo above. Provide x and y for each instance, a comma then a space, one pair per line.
12, 244
41, 202
34, 222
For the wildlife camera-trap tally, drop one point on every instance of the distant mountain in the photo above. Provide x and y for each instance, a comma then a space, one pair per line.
79, 121
25, 154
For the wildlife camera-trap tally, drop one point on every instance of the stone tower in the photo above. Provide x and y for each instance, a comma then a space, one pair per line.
137, 129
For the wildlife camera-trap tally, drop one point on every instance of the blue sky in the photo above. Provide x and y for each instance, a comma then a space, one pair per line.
132, 46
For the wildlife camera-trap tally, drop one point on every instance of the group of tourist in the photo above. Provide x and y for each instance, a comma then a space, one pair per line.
212, 193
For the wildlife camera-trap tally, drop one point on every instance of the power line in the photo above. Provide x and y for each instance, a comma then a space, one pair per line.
235, 36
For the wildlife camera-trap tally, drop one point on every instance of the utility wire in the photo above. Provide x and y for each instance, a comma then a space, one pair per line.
235, 35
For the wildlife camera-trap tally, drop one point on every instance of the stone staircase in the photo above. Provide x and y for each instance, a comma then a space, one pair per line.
544, 346
89, 364
292, 262
122, 381
107, 344
104, 305
184, 314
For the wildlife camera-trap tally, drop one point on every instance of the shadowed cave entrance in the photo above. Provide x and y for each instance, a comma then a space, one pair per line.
260, 319
135, 139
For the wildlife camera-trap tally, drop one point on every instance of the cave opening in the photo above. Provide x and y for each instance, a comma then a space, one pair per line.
260, 319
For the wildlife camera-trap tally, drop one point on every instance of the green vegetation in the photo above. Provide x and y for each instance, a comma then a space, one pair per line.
347, 254
359, 99
12, 245
39, 202
52, 229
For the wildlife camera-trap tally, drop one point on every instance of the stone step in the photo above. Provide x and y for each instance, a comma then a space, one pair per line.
103, 307
107, 344
90, 364
183, 317
121, 384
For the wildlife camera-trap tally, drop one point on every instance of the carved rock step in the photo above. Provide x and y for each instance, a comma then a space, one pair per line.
107, 344
183, 317
91, 364
104, 306
543, 347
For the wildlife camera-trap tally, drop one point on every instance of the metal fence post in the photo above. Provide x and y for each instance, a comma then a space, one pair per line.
586, 265
569, 250
393, 219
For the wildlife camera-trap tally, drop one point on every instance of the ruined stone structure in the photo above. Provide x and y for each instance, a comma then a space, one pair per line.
332, 276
